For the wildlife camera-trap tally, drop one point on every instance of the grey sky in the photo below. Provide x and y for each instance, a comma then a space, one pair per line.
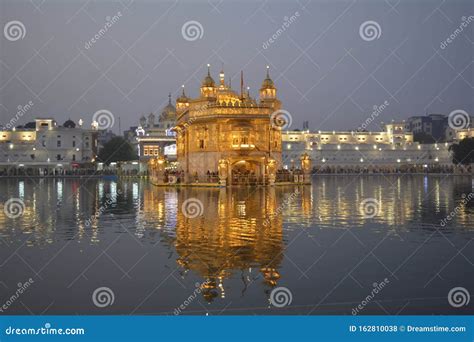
325, 72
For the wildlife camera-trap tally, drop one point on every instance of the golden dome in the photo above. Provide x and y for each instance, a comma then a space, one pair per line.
268, 82
208, 80
169, 112
183, 98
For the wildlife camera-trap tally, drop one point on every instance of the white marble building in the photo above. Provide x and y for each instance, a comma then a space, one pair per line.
47, 147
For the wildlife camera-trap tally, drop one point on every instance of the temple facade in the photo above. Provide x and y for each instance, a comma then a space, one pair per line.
228, 137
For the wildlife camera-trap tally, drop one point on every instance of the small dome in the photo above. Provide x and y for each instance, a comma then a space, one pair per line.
169, 112
268, 82
69, 124
208, 80
183, 98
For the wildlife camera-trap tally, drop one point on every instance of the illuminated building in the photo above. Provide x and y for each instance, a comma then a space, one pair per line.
390, 149
230, 134
153, 139
47, 147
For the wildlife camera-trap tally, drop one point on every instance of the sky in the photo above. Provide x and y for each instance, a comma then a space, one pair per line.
332, 61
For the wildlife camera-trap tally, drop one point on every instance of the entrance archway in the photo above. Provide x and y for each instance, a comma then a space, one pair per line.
247, 172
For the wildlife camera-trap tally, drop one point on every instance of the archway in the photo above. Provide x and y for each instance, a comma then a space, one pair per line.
247, 172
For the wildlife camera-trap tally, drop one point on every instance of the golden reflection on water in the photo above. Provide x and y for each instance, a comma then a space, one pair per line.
231, 236
242, 231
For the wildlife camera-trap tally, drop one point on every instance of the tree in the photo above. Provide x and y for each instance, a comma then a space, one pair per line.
463, 152
115, 150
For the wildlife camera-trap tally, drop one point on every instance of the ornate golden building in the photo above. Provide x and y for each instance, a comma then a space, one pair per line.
228, 135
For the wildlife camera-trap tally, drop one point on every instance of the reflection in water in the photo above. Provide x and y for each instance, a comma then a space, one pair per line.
230, 236
244, 235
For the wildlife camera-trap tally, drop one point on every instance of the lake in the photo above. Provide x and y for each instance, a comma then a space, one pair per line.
373, 244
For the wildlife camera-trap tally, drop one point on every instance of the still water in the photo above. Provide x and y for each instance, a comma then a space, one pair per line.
316, 241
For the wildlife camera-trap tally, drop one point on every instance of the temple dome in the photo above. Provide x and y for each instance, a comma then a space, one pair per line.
169, 112
208, 80
268, 82
69, 124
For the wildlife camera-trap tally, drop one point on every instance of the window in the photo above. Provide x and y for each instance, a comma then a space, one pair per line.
58, 143
58, 157
73, 143
43, 143
201, 143
73, 157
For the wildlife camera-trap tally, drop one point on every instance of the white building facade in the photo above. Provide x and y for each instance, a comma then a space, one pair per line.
391, 150
47, 148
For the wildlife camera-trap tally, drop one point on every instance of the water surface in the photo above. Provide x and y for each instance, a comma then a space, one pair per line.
134, 238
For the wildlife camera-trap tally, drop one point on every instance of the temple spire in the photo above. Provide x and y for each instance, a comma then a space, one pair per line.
169, 98
268, 71
241, 84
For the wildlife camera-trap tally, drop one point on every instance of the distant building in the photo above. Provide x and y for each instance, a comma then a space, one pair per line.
432, 125
103, 137
153, 139
388, 150
47, 147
